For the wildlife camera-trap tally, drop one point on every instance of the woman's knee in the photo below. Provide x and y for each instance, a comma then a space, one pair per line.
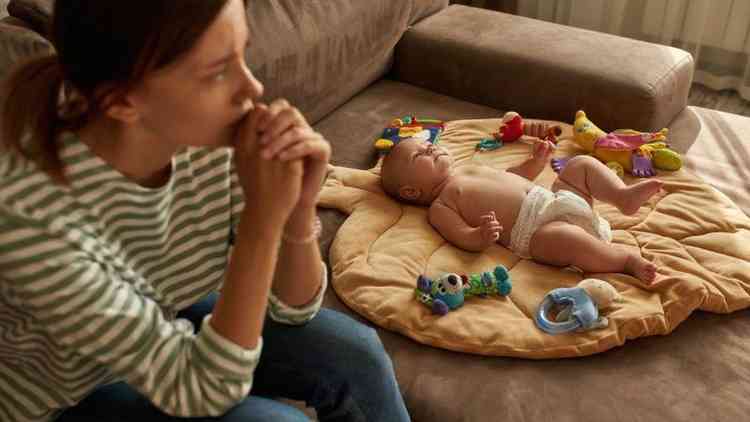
262, 409
360, 345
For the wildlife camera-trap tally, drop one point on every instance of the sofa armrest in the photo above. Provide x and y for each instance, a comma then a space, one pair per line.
545, 70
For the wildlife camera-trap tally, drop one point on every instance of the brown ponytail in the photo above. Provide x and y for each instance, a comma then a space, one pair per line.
30, 113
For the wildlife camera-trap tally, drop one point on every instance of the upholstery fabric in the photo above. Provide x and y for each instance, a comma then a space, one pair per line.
545, 70
698, 372
18, 43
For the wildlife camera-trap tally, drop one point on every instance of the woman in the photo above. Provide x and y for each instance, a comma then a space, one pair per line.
119, 199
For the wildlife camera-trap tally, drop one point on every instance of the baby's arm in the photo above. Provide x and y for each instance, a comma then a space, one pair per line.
453, 227
531, 168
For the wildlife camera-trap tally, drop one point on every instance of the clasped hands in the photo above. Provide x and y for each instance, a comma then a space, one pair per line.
281, 161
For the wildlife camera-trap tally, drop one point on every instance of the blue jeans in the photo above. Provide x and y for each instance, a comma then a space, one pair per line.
333, 363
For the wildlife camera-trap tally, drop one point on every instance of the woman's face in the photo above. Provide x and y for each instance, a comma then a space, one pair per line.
200, 99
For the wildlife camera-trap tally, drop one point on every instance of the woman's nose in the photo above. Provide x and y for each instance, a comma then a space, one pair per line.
252, 88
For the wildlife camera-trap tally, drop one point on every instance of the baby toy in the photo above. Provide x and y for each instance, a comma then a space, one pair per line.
623, 150
409, 127
448, 292
488, 144
514, 128
579, 305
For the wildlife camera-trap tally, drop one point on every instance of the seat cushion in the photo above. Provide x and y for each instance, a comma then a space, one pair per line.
716, 146
703, 363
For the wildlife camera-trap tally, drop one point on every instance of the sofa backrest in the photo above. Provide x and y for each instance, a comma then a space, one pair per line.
315, 53
318, 54
18, 42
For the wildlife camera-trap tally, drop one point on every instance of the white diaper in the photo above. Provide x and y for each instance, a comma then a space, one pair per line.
542, 206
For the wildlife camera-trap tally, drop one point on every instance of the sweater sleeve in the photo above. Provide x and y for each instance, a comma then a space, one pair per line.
95, 311
284, 313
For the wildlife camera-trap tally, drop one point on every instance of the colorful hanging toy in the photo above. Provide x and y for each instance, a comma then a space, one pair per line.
638, 153
448, 292
409, 127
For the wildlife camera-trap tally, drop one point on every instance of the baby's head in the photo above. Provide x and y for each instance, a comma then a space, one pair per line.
414, 170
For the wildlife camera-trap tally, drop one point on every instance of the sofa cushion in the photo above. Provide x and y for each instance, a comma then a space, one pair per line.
36, 12
441, 385
545, 70
716, 146
320, 54
18, 43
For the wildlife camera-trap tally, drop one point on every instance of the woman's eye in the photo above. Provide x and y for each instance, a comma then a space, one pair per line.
220, 75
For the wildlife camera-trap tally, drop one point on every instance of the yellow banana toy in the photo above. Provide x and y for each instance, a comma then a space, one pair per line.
638, 153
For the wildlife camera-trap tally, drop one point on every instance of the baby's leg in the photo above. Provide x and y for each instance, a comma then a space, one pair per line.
588, 177
562, 244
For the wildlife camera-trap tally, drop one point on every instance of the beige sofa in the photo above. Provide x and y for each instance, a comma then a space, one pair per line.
352, 66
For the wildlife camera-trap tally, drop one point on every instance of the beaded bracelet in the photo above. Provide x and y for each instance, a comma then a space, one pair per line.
317, 229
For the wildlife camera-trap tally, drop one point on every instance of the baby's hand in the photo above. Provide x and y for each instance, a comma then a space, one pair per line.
490, 229
542, 150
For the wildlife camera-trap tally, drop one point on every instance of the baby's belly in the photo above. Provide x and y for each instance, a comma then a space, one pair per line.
506, 205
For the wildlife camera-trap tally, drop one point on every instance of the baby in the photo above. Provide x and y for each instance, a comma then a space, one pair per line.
475, 206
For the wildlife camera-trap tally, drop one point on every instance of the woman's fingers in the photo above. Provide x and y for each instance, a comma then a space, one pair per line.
314, 147
280, 117
273, 109
282, 121
288, 139
247, 137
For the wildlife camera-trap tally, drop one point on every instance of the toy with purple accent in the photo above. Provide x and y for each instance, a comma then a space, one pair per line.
638, 153
448, 292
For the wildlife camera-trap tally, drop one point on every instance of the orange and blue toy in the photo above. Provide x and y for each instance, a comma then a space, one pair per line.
409, 127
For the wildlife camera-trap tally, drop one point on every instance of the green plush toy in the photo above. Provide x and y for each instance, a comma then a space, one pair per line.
448, 292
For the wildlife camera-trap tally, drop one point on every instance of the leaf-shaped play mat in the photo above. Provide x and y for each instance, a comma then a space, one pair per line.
697, 237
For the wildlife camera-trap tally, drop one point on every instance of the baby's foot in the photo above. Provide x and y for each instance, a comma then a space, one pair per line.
640, 268
636, 195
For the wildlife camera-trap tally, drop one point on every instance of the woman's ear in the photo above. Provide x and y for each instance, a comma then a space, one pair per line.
410, 193
122, 108
119, 105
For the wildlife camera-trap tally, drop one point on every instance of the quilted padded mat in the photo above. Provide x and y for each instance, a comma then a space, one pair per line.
696, 236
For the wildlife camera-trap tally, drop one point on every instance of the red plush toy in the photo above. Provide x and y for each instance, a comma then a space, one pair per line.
513, 128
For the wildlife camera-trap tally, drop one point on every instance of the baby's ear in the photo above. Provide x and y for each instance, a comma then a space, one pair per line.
409, 193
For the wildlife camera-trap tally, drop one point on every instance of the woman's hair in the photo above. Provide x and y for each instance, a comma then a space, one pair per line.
103, 50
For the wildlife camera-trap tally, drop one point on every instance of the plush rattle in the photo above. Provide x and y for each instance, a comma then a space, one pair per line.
409, 127
638, 153
448, 291
513, 128
578, 307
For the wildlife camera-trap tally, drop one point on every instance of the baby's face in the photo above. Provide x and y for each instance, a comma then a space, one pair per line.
417, 163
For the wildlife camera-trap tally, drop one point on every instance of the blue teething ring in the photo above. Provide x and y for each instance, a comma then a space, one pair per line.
552, 327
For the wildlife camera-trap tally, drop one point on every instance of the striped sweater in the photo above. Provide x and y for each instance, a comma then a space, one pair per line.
92, 276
